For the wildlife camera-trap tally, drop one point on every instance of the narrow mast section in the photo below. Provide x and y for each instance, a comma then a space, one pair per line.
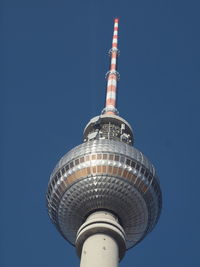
109, 125
112, 75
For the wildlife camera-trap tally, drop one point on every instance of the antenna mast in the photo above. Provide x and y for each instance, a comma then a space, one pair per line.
112, 75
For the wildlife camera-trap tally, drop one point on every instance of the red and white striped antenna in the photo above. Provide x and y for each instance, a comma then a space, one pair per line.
112, 75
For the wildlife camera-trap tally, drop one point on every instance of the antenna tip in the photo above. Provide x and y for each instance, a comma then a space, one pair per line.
116, 20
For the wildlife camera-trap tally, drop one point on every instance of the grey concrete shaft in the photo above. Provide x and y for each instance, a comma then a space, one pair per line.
99, 250
100, 240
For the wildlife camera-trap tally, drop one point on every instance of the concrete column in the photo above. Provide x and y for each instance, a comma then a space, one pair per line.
100, 241
99, 250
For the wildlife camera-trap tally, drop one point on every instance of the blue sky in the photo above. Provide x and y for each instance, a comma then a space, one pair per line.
54, 62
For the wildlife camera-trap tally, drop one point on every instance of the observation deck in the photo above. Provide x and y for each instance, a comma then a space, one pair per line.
105, 173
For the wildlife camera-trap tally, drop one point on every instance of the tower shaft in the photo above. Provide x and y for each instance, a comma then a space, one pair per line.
100, 240
99, 250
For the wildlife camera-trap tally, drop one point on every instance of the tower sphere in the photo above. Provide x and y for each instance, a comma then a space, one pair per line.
105, 173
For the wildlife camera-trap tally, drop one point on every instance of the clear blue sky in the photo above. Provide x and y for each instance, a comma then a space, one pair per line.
54, 62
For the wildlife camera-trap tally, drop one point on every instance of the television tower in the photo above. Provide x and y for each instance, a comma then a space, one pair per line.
104, 195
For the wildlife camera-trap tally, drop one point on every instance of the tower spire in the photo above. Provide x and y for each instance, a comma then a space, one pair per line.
112, 75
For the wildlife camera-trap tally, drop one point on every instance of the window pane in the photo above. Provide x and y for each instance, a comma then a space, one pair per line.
94, 157
99, 169
71, 164
116, 158
133, 164
104, 156
115, 169
122, 159
81, 159
111, 157
104, 169
109, 169
67, 167
137, 167
87, 158
99, 156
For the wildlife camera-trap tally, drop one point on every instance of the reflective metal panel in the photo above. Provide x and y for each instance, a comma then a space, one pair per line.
104, 174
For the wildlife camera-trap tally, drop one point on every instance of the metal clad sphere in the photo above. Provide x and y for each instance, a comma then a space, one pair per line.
104, 175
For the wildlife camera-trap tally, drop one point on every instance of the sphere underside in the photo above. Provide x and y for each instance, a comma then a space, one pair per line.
104, 175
